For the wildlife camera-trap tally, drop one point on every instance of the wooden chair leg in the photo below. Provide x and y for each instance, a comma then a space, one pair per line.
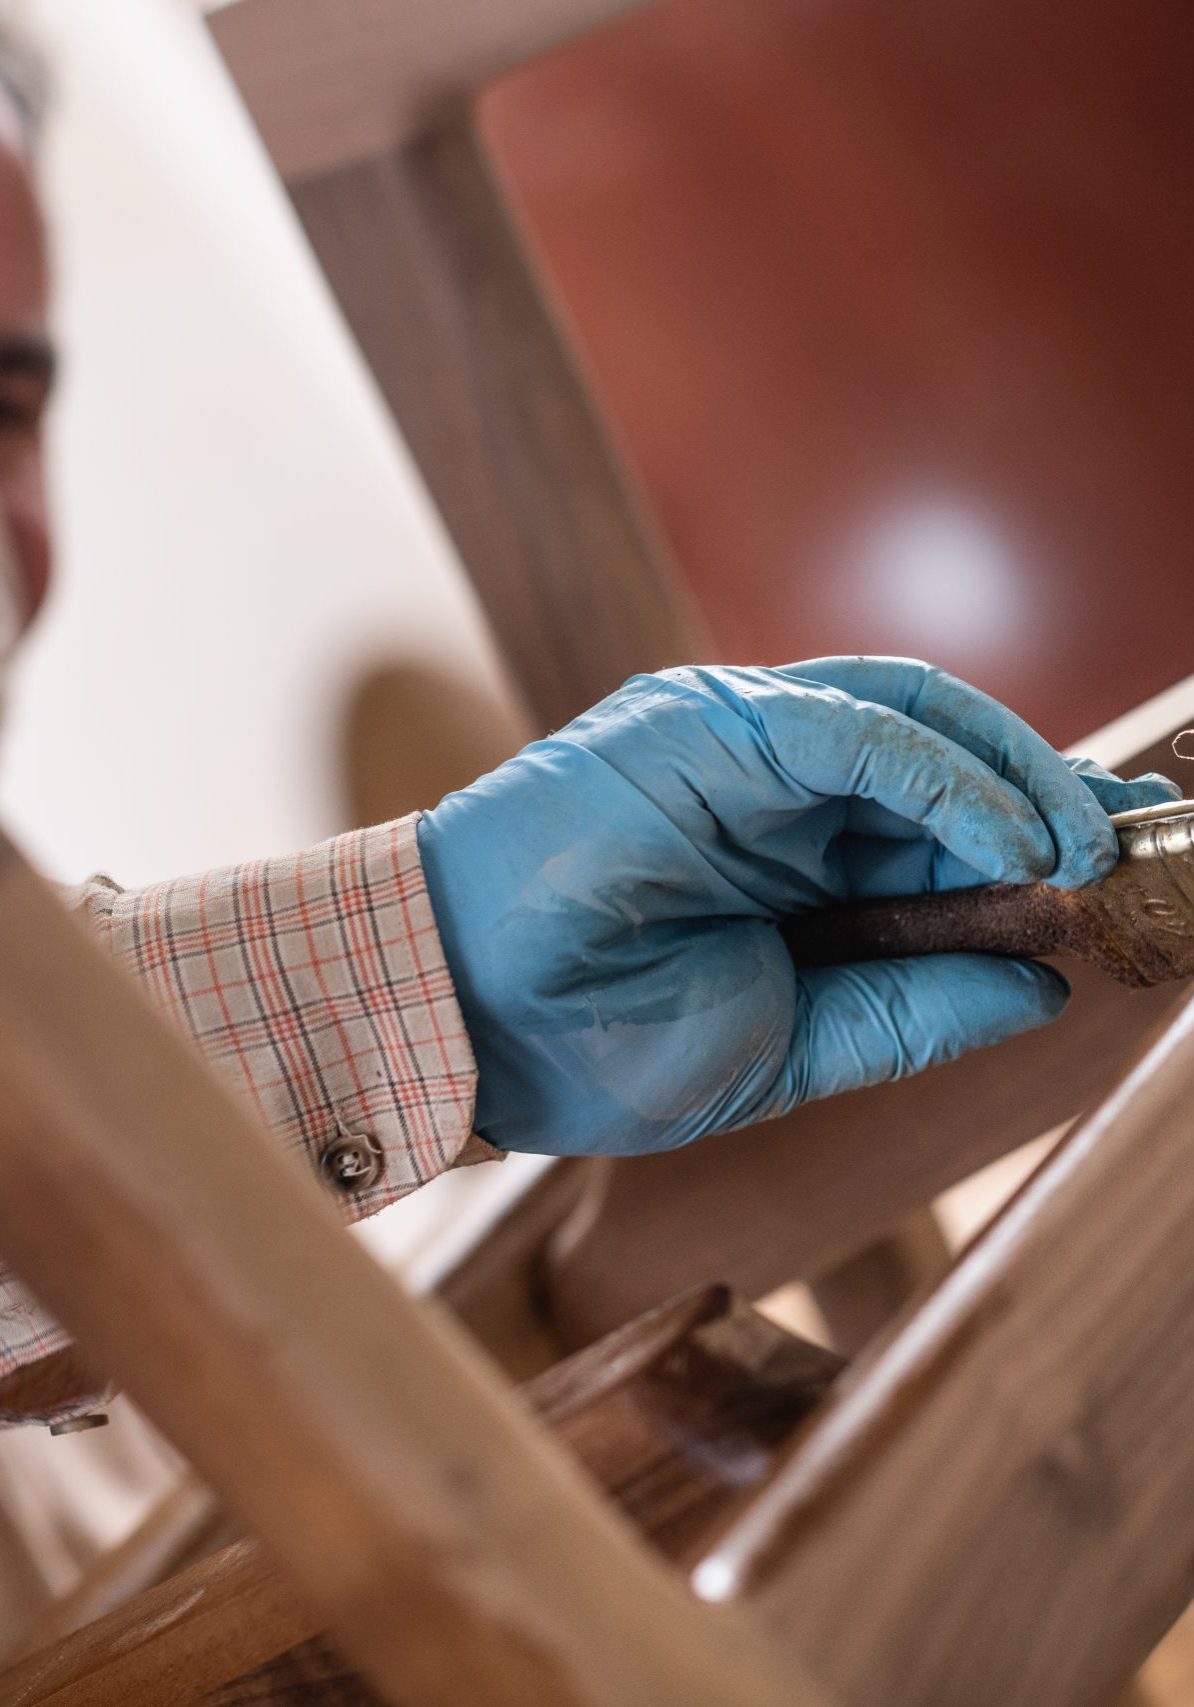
433, 280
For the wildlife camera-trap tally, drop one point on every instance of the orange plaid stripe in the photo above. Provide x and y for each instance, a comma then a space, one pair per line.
317, 984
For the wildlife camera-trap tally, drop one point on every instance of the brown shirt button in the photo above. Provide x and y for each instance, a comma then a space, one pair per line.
352, 1162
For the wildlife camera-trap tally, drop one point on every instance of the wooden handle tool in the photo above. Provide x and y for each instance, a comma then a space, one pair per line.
1138, 924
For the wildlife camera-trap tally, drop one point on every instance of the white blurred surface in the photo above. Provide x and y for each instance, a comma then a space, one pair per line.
240, 527
941, 574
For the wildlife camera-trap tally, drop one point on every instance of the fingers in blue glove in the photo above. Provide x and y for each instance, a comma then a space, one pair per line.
880, 859
1120, 794
1084, 845
838, 745
864, 1025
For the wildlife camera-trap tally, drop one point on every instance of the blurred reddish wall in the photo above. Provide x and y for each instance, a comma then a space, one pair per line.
892, 306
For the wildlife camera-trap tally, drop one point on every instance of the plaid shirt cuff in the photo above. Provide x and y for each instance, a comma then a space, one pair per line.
317, 985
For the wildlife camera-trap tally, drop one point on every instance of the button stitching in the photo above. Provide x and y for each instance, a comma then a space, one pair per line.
352, 1162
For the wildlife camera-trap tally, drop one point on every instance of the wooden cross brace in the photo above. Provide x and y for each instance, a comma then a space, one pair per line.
331, 83
365, 107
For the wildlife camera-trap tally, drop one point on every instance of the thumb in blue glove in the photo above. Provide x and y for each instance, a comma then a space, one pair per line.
609, 900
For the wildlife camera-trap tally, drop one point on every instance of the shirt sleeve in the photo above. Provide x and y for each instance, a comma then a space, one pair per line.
316, 985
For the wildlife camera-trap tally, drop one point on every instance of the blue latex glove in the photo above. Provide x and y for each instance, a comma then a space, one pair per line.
608, 900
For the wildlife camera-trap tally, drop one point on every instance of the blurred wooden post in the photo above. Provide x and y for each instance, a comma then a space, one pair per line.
413, 1503
365, 108
432, 278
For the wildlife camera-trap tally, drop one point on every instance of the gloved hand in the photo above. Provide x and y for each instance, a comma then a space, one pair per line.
608, 900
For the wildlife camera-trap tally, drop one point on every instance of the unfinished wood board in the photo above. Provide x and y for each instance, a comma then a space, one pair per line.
998, 1508
432, 279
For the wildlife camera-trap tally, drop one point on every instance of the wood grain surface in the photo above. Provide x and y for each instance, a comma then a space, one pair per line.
230, 1615
437, 290
309, 1675
681, 1413
186, 1525
998, 1508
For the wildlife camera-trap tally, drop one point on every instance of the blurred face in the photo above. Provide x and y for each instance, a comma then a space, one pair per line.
26, 373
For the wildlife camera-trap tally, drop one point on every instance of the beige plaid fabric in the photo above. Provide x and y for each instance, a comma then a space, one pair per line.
317, 984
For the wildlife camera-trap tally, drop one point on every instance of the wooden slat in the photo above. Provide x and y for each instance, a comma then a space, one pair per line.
331, 82
999, 1508
678, 1417
354, 1429
433, 281
795, 1198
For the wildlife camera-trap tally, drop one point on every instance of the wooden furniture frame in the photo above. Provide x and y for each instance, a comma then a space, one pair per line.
678, 1418
1021, 1453
1019, 1448
1017, 1454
